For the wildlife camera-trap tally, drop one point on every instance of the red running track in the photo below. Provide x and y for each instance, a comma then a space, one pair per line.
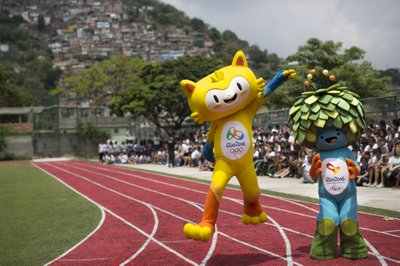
144, 213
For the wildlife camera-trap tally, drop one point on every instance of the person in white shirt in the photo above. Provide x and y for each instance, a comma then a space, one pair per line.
195, 156
373, 164
305, 170
394, 165
102, 150
123, 158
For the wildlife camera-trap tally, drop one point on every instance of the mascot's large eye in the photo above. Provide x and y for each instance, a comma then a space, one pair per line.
216, 99
239, 86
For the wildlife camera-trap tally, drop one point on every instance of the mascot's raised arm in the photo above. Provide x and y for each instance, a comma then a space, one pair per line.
328, 119
229, 98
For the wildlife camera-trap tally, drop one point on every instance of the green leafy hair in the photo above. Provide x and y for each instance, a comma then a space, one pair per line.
332, 106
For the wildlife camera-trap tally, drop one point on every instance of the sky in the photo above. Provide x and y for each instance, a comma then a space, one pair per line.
281, 26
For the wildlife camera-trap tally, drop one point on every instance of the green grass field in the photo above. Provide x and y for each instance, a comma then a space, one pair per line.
40, 218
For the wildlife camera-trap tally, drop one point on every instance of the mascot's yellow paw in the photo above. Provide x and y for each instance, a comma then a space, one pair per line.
197, 232
255, 219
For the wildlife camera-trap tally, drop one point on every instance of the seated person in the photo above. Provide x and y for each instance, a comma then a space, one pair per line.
123, 158
381, 169
305, 170
373, 164
195, 157
393, 174
269, 157
109, 158
293, 163
283, 167
363, 177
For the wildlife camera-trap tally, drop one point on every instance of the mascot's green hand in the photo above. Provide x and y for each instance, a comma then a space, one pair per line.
278, 80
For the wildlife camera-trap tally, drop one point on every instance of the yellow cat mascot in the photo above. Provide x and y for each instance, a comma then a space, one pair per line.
229, 98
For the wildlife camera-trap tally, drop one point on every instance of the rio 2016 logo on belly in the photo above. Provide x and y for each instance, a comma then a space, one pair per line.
234, 133
335, 175
334, 169
234, 140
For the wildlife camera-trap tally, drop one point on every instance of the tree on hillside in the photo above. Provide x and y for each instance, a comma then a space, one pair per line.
198, 25
232, 43
167, 15
28, 63
157, 96
257, 56
348, 67
394, 73
102, 81
149, 90
274, 61
326, 54
3, 141
41, 23
10, 94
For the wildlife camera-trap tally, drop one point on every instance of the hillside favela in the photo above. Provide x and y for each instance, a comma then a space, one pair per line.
71, 36
82, 70
82, 31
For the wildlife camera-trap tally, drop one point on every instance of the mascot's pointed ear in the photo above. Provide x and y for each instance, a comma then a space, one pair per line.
239, 59
188, 87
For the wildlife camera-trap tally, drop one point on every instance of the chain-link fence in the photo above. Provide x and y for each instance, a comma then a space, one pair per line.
382, 108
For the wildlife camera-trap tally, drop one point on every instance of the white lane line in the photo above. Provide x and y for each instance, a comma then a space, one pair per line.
376, 253
300, 204
283, 234
214, 241
84, 260
189, 189
397, 230
201, 192
372, 248
150, 237
259, 249
101, 222
309, 236
102, 209
287, 242
381, 232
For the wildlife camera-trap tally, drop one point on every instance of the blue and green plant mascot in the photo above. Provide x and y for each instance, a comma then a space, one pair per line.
328, 118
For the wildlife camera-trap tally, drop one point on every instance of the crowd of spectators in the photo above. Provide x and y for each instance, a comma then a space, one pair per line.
174, 153
275, 154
